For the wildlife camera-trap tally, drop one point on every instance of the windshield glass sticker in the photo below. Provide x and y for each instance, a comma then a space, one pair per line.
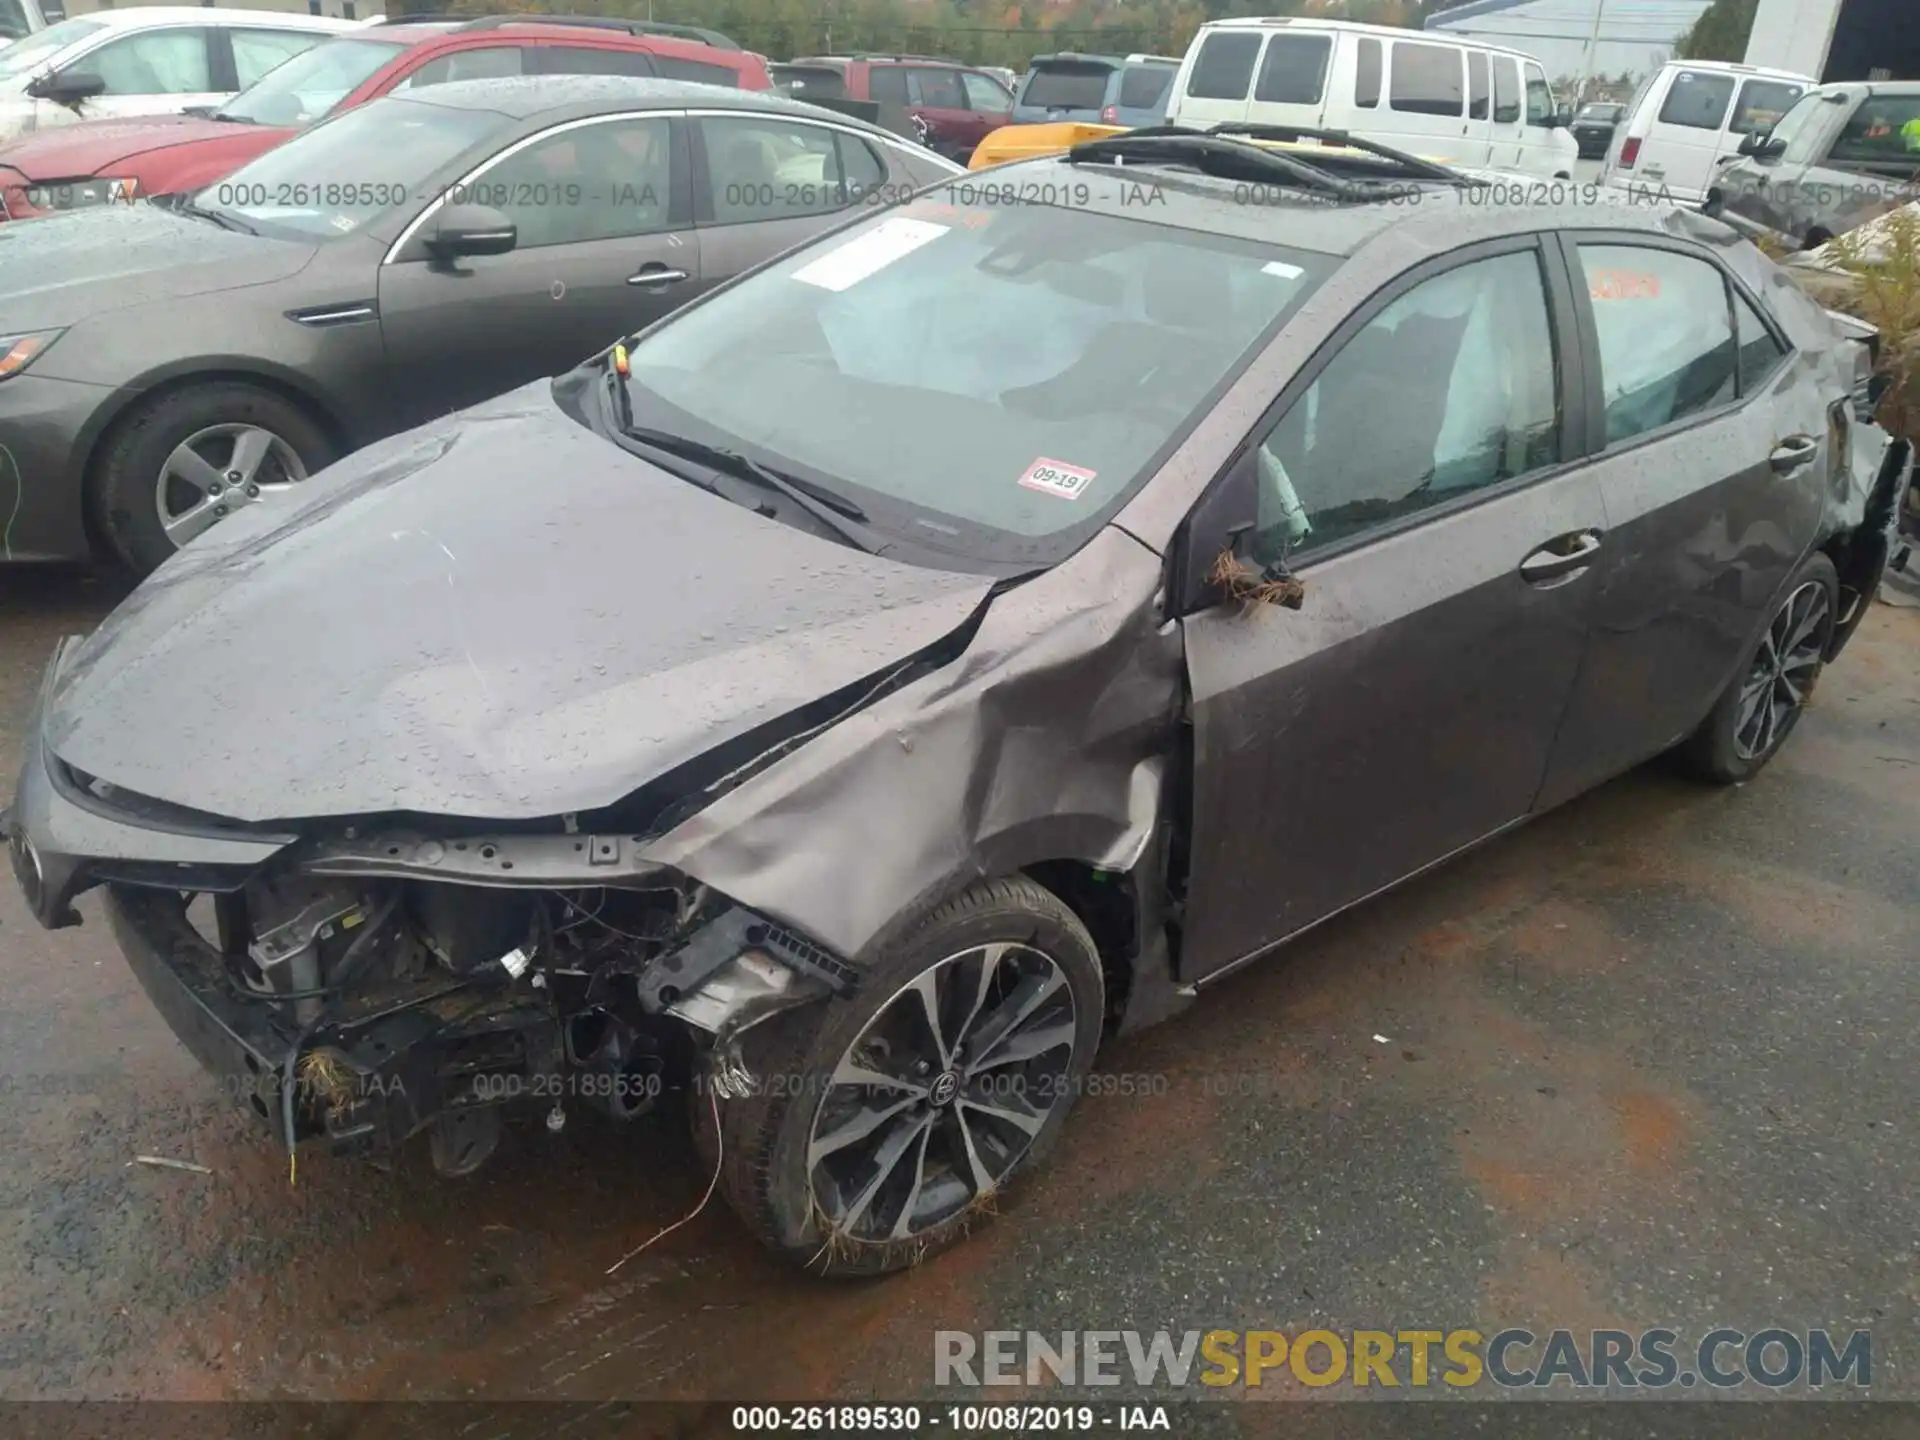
847, 265
1050, 477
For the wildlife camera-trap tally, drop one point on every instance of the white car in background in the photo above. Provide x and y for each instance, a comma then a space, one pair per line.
150, 61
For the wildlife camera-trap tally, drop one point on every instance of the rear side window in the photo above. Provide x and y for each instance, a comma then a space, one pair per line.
1143, 87
886, 84
1294, 71
1667, 348
1055, 86
1506, 91
810, 82
1763, 104
1427, 80
582, 60
1476, 85
674, 68
1366, 74
762, 168
1760, 353
1697, 101
1224, 67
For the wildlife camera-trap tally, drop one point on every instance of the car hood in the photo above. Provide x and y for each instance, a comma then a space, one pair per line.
534, 623
70, 152
61, 269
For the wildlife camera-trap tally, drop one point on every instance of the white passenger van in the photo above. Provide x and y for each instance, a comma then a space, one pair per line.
1688, 117
1417, 90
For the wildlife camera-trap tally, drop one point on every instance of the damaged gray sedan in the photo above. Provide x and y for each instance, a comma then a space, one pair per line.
958, 641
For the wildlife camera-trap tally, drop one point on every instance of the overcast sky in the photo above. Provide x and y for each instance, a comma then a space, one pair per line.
1634, 34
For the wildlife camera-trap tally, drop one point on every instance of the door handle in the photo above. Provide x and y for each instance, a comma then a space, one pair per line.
1795, 452
1560, 558
656, 274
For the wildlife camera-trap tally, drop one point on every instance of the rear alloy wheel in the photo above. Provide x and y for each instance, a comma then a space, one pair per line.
180, 463
883, 1126
1759, 709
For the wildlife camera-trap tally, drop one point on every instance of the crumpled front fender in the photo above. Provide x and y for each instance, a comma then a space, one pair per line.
1047, 740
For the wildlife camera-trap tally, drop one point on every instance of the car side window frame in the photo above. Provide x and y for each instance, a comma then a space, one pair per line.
699, 176
1595, 403
1231, 497
409, 247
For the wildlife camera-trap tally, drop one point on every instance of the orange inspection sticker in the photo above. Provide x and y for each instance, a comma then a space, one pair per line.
1623, 285
1051, 477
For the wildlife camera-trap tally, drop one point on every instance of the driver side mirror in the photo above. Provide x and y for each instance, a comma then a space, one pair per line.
68, 88
470, 230
1760, 145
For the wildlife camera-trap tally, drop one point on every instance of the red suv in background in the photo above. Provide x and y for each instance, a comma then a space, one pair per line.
956, 106
103, 161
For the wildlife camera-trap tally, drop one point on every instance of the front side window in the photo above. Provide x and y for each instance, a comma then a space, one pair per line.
310, 84
1506, 91
1427, 79
1464, 366
1540, 106
489, 62
1762, 104
1884, 130
1294, 69
604, 181
1665, 333
984, 93
762, 168
160, 62
1697, 100
351, 169
1224, 67
1056, 351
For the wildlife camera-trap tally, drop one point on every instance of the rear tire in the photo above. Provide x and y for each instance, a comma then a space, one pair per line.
853, 1178
125, 485
1763, 702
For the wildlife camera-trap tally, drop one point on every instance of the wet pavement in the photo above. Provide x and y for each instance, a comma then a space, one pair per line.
1647, 1062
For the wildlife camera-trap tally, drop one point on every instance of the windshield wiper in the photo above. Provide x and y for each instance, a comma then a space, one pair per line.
186, 206
830, 509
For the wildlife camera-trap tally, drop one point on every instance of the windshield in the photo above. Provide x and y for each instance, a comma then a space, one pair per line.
349, 170
23, 57
306, 87
990, 383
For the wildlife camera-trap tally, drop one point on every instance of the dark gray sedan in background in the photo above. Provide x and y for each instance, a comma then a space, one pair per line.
165, 364
849, 716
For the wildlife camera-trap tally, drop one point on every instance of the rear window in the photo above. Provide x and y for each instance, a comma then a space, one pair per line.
1224, 67
1294, 71
808, 82
1763, 104
1066, 85
1427, 80
1697, 101
673, 67
1143, 87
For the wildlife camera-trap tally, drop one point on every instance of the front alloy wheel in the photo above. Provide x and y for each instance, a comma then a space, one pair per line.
940, 1095
217, 470
881, 1126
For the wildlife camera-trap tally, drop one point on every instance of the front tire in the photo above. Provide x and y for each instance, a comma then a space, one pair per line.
1761, 705
179, 463
882, 1128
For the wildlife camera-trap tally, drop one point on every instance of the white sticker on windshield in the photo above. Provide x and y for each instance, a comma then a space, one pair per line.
343, 222
1050, 477
849, 264
1282, 269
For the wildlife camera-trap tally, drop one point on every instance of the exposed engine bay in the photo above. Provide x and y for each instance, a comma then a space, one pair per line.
363, 1010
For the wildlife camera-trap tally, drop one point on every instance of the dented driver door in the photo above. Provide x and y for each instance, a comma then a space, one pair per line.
1408, 707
